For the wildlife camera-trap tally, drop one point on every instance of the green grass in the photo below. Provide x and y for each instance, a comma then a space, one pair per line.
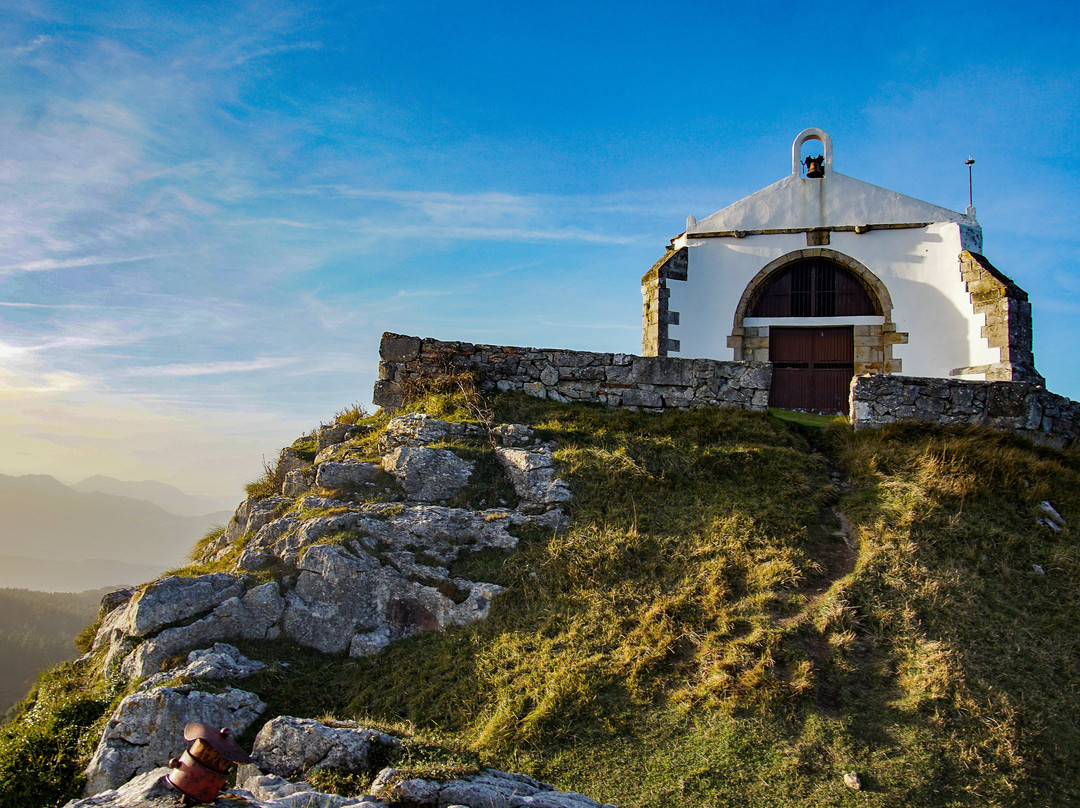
723, 625
808, 420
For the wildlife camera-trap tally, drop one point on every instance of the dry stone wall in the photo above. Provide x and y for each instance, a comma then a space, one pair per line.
611, 379
1028, 409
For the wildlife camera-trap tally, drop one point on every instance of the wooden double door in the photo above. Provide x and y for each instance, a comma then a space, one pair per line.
812, 368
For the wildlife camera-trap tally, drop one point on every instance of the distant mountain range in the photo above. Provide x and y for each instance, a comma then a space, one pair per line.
165, 496
56, 538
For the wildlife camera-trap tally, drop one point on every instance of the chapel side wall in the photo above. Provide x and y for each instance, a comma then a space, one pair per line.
612, 379
1026, 408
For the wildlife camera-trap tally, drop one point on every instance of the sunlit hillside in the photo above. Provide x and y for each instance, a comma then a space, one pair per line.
743, 610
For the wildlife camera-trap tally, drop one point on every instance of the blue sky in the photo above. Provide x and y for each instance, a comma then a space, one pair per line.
210, 212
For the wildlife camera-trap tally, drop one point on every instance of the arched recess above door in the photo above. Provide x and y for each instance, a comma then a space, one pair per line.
873, 355
871, 284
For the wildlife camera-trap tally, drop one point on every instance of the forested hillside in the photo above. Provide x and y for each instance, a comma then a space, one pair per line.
37, 630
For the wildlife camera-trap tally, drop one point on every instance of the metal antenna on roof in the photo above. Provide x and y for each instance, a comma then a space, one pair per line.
971, 202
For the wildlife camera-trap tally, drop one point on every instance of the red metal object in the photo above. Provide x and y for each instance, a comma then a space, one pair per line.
201, 771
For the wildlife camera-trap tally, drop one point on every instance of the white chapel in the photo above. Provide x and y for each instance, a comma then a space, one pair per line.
826, 276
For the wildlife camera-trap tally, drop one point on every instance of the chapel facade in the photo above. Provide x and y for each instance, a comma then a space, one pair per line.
827, 277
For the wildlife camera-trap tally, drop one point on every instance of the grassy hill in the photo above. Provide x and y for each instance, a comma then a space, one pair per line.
743, 609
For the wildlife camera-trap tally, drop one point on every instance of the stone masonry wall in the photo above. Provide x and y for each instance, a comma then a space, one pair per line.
655, 314
1007, 315
612, 379
1020, 407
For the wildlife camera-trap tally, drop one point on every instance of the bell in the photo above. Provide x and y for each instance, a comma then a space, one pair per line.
815, 167
201, 771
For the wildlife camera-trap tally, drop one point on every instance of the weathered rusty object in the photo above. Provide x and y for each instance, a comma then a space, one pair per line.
201, 771
815, 167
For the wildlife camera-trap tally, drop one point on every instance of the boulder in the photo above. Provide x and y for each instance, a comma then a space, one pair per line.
347, 474
349, 601
250, 515
173, 599
149, 790
290, 747
421, 429
297, 482
512, 434
255, 616
333, 434
147, 729
220, 661
532, 473
488, 788
428, 475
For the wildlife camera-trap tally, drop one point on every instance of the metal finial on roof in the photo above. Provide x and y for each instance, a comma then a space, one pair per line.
971, 201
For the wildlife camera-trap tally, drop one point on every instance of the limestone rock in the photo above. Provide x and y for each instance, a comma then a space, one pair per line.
148, 728
512, 434
333, 434
348, 474
250, 515
297, 482
421, 429
255, 616
532, 474
220, 661
276, 792
290, 747
428, 475
149, 790
173, 599
342, 597
440, 531
117, 598
489, 787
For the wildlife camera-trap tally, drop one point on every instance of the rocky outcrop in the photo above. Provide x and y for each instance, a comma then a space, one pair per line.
421, 429
220, 661
287, 749
173, 599
255, 616
349, 474
428, 475
489, 787
150, 790
290, 747
349, 601
532, 474
147, 729
352, 571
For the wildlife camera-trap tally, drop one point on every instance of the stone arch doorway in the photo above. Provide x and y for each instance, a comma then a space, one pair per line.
820, 317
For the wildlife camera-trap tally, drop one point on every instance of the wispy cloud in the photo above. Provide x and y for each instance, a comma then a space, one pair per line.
213, 368
19, 51
47, 264
276, 50
11, 304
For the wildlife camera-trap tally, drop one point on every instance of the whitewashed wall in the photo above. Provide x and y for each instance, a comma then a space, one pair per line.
919, 267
